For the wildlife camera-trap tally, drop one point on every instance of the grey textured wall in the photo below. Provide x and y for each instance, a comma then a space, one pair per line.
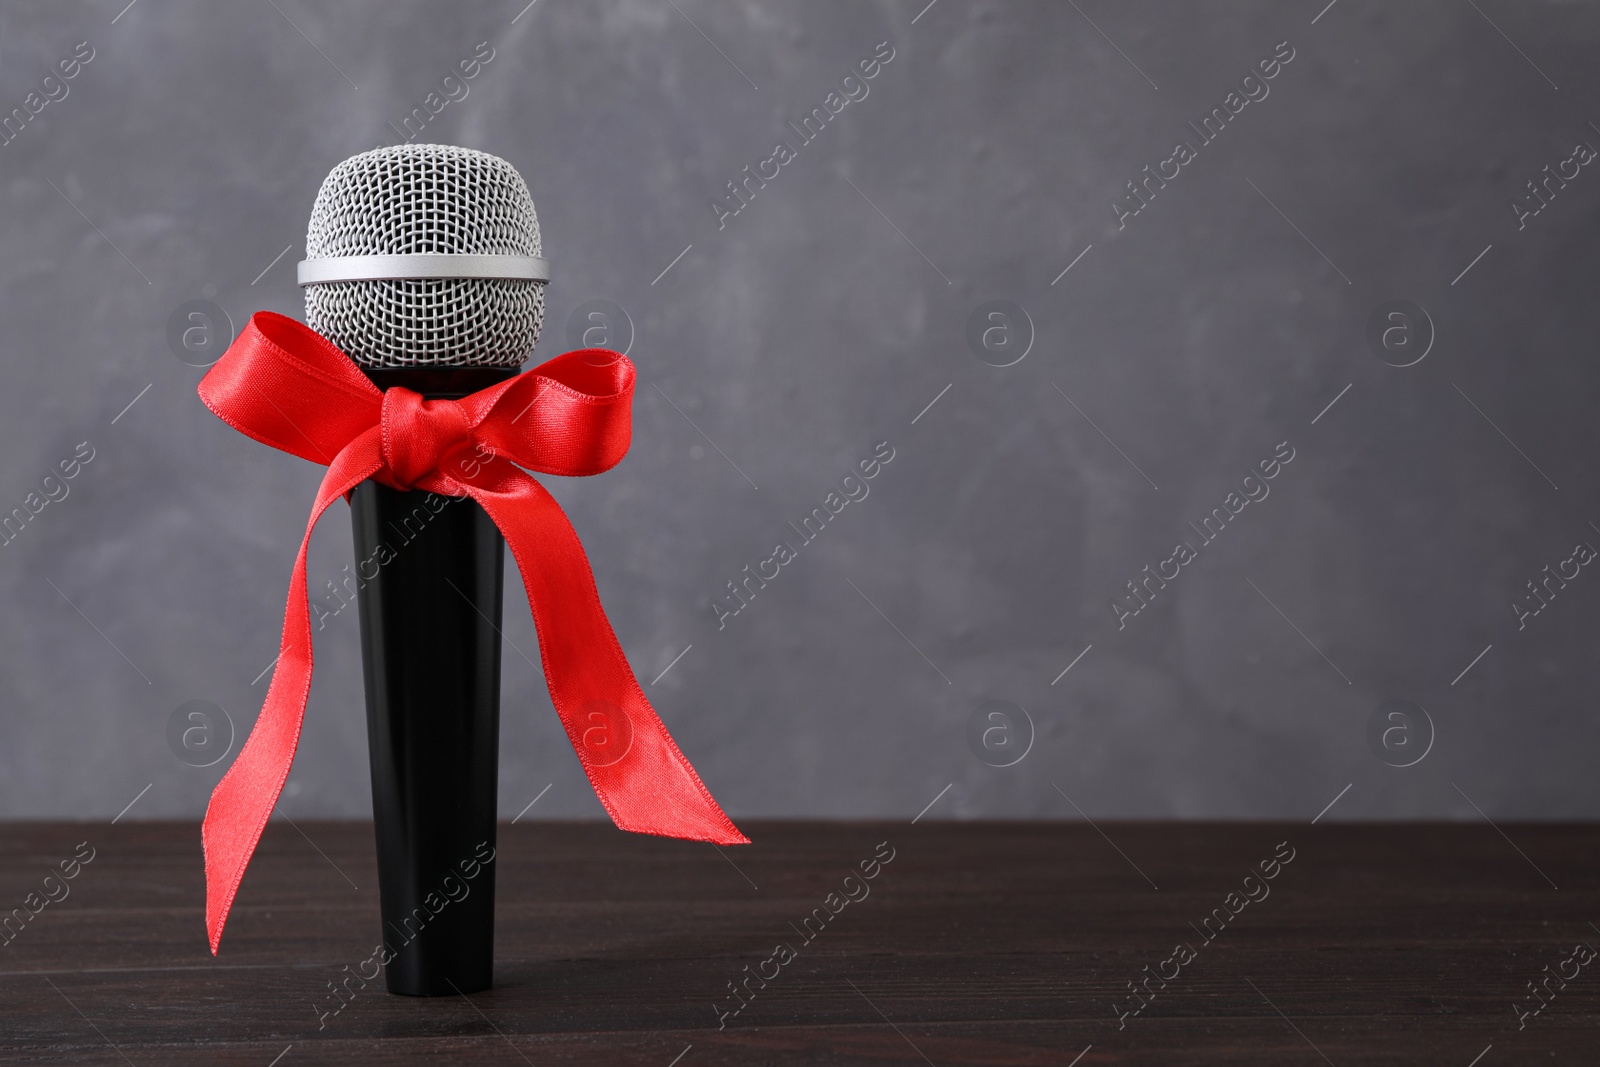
1184, 345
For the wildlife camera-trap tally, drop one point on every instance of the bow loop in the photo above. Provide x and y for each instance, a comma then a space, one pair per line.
530, 419
282, 384
289, 387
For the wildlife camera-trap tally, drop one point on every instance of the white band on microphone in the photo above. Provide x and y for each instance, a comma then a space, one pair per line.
422, 265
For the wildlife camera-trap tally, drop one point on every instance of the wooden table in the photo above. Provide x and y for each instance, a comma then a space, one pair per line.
977, 943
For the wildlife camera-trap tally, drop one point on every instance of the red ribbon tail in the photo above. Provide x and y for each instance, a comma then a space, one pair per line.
243, 801
643, 780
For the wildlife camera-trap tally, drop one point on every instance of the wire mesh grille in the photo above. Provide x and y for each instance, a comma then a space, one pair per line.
426, 198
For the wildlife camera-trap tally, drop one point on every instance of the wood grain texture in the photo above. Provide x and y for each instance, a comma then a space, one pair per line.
979, 943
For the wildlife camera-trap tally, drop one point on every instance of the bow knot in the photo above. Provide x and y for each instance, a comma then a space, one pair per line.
419, 436
287, 387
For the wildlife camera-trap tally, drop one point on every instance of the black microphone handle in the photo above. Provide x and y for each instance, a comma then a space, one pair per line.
429, 593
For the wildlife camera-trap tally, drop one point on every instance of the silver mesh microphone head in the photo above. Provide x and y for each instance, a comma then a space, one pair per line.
411, 200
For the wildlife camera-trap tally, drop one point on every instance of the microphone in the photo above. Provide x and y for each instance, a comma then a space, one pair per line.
424, 264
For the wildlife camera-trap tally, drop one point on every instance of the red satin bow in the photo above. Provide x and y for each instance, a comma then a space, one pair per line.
288, 387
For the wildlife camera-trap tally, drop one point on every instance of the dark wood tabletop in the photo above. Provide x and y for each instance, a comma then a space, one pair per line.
972, 943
